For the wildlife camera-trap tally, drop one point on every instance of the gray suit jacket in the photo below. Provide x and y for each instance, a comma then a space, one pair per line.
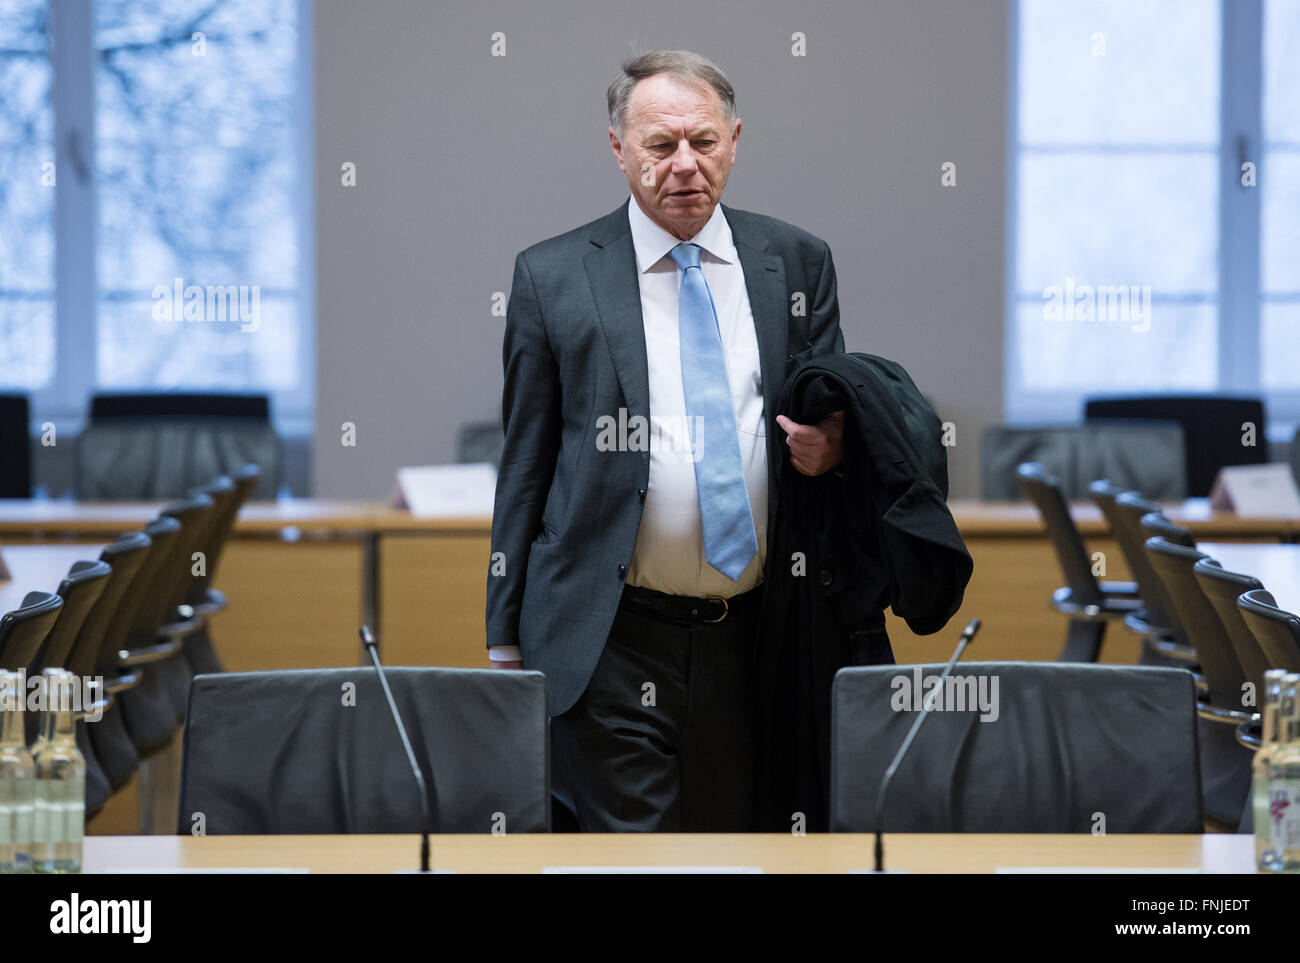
566, 514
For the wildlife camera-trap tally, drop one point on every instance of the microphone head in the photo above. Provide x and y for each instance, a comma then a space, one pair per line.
367, 637
972, 627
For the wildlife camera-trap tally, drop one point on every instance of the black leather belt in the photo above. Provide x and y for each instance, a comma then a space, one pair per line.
686, 608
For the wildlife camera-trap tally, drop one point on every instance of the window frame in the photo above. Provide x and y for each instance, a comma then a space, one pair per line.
64, 401
1241, 138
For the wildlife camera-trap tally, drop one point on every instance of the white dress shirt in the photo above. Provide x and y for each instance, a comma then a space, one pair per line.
669, 553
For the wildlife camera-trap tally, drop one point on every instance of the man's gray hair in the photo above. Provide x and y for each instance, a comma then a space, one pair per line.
691, 67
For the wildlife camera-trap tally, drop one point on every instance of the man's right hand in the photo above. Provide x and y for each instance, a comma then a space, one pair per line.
515, 664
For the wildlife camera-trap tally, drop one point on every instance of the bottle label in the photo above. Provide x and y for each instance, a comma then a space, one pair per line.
59, 822
1284, 814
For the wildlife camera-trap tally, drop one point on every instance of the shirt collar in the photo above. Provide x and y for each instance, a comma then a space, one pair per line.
653, 243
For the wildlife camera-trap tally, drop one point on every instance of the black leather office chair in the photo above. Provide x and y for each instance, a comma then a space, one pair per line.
1147, 457
1277, 630
156, 446
1162, 640
1223, 588
100, 646
80, 590
198, 512
316, 751
146, 708
23, 630
124, 556
203, 599
16, 465
1225, 763
1068, 742
1086, 602
1161, 643
1212, 429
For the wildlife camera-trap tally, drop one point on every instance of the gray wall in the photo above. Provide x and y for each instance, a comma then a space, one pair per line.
463, 159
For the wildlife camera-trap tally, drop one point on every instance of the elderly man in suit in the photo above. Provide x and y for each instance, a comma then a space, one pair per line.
644, 353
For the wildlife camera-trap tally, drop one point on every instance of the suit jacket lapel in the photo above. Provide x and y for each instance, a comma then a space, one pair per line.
766, 284
616, 289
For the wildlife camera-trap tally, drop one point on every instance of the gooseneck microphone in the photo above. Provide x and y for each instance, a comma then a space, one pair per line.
967, 634
368, 640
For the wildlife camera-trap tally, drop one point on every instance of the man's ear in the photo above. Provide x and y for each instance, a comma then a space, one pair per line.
617, 147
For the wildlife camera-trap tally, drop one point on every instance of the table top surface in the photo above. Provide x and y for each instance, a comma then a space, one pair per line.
41, 566
1277, 566
38, 568
42, 518
773, 853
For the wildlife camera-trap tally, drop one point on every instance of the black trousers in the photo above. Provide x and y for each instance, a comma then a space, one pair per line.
664, 738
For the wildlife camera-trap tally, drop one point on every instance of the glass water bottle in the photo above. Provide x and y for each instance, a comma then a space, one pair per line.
60, 781
1284, 783
1265, 858
17, 778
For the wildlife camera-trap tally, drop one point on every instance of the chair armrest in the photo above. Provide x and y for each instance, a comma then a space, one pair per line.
214, 602
1224, 716
180, 630
120, 683
149, 653
1249, 735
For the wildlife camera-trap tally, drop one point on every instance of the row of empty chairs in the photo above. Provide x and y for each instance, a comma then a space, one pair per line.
137, 618
281, 753
1223, 626
145, 446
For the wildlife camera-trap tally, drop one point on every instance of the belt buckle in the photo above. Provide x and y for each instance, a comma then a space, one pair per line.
725, 607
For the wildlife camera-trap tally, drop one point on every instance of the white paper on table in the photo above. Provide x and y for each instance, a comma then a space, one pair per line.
1257, 491
447, 491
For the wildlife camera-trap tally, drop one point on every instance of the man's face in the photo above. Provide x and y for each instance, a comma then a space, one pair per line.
676, 151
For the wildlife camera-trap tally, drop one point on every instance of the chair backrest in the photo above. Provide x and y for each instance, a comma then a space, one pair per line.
1175, 567
1044, 491
1277, 630
23, 630
163, 445
141, 605
124, 557
197, 512
1059, 743
316, 751
1212, 428
1158, 525
1223, 588
225, 495
1124, 515
1145, 457
80, 590
16, 466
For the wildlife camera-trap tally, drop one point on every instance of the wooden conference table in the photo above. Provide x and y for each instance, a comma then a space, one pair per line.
772, 853
302, 574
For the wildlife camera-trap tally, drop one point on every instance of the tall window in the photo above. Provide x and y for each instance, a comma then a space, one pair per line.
1280, 197
1152, 249
187, 138
26, 197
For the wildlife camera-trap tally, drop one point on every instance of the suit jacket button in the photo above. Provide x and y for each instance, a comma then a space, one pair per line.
622, 571
640, 494
824, 577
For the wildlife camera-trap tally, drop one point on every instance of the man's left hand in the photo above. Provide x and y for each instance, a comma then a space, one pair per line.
815, 449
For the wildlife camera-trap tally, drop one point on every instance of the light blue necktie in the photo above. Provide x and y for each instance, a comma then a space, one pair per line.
729, 540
